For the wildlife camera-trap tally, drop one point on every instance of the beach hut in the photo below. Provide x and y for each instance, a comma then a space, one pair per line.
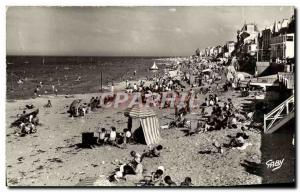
148, 123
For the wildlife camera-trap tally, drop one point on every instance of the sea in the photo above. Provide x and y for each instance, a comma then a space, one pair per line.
73, 74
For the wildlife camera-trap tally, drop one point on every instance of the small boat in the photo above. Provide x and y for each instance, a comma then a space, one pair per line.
154, 67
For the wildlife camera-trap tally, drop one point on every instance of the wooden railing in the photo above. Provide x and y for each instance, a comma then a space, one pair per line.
278, 113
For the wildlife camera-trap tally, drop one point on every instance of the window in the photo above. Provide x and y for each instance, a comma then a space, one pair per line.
289, 38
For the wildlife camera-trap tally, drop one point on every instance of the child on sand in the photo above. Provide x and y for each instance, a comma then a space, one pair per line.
157, 177
113, 138
113, 135
187, 182
169, 181
153, 152
48, 104
126, 136
137, 158
102, 137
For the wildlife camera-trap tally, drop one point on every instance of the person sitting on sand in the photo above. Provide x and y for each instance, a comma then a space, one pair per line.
238, 140
157, 177
218, 147
92, 100
127, 136
211, 102
113, 138
137, 173
31, 127
96, 103
153, 152
206, 102
137, 158
48, 104
169, 181
27, 128
119, 174
232, 122
22, 126
216, 99
113, 135
187, 182
226, 107
102, 137
130, 171
20, 115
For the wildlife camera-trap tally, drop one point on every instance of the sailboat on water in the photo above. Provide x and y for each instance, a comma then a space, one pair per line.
154, 67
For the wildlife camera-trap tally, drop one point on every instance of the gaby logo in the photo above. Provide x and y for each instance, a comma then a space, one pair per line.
274, 164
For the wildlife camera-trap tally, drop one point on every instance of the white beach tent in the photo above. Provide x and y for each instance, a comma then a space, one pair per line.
149, 122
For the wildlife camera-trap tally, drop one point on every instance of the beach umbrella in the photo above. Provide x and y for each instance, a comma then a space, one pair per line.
139, 112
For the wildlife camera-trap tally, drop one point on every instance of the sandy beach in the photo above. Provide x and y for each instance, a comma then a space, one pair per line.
209, 90
50, 157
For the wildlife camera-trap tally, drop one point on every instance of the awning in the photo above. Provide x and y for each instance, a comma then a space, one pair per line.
139, 112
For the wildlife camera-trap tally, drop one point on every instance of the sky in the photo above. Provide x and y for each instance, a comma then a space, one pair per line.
129, 31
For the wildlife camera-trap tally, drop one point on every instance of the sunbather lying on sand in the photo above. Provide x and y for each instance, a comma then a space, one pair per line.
153, 151
239, 141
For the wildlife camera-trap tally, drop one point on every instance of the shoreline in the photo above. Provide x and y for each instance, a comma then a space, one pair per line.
118, 87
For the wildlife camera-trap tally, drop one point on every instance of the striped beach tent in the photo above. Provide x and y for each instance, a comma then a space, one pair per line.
149, 122
151, 128
139, 112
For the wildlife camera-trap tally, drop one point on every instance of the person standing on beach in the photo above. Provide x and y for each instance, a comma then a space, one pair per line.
101, 139
36, 91
134, 73
112, 86
53, 89
129, 123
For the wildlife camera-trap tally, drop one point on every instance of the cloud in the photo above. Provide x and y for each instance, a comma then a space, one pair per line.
172, 9
177, 29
